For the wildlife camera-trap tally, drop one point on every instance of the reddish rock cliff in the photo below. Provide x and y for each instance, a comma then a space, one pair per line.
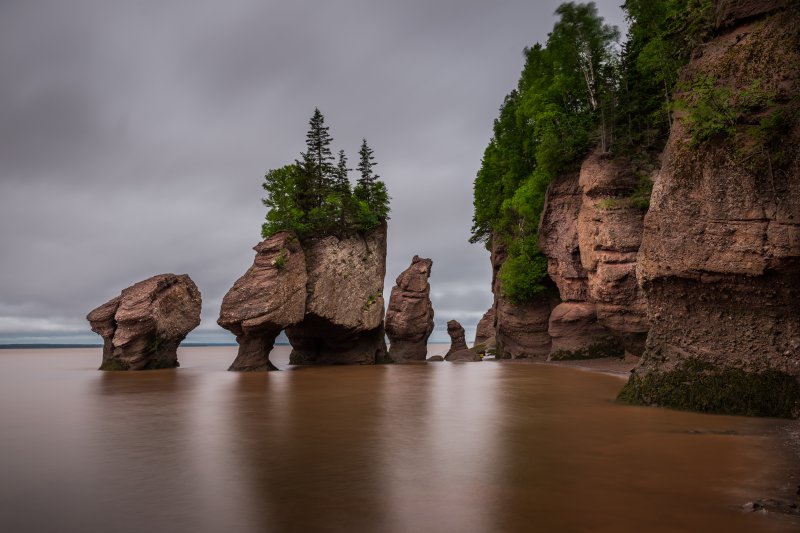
720, 256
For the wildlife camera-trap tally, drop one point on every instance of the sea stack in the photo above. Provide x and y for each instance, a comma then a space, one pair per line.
325, 293
409, 318
143, 326
269, 297
343, 322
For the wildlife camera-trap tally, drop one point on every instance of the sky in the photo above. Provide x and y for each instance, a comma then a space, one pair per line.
134, 137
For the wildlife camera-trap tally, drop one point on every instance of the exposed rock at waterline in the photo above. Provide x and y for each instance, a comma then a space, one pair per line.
143, 326
268, 298
457, 342
409, 318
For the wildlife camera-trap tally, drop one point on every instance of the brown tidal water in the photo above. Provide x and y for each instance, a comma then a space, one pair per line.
476, 447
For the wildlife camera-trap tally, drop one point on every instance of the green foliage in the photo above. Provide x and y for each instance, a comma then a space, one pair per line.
313, 197
280, 260
715, 110
700, 386
545, 126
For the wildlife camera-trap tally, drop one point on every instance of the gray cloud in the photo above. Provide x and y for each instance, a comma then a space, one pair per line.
134, 135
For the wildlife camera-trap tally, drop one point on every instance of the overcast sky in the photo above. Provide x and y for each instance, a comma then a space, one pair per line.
134, 137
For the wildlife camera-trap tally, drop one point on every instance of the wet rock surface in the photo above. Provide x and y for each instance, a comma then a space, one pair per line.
409, 318
485, 330
143, 326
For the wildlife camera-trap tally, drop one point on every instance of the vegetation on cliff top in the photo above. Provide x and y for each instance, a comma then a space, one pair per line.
580, 89
314, 197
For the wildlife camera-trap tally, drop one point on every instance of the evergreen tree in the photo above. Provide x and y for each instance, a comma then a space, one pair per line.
317, 161
342, 191
366, 179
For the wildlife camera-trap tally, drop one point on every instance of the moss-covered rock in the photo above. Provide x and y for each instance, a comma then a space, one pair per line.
695, 385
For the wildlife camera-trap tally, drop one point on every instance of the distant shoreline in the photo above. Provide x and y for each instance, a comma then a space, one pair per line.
50, 346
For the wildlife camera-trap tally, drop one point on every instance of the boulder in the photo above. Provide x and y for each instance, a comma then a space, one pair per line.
343, 322
463, 356
143, 326
485, 329
457, 342
409, 318
268, 298
435, 358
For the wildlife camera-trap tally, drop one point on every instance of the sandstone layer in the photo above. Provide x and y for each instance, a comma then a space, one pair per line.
457, 341
268, 298
143, 326
409, 318
720, 256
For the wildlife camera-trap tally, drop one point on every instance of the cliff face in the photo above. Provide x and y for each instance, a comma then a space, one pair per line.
720, 257
590, 233
520, 330
325, 293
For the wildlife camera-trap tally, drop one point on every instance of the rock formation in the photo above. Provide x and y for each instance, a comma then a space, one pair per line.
409, 318
268, 298
458, 346
720, 257
326, 293
485, 329
343, 321
457, 341
143, 326
520, 330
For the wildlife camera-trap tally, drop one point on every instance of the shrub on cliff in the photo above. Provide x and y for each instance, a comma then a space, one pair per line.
313, 197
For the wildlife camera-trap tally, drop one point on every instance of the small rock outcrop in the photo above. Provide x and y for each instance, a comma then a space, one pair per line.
143, 326
268, 298
485, 329
343, 321
409, 318
457, 341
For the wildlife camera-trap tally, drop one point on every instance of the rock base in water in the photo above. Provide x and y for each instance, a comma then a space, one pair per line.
696, 385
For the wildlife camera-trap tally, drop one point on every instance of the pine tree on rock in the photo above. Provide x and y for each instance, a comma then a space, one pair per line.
317, 163
342, 192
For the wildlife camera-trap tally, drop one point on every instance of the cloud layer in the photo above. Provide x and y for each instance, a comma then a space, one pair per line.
134, 136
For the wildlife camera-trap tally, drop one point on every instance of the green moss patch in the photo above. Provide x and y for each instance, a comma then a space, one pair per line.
696, 385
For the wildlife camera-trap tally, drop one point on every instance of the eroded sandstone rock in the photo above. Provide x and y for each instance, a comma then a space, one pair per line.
720, 256
520, 330
268, 298
576, 334
409, 318
485, 329
343, 321
457, 342
143, 326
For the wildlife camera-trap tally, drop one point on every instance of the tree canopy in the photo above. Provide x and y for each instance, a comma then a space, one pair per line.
578, 90
313, 196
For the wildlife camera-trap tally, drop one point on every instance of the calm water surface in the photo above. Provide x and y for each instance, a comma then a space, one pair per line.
481, 447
